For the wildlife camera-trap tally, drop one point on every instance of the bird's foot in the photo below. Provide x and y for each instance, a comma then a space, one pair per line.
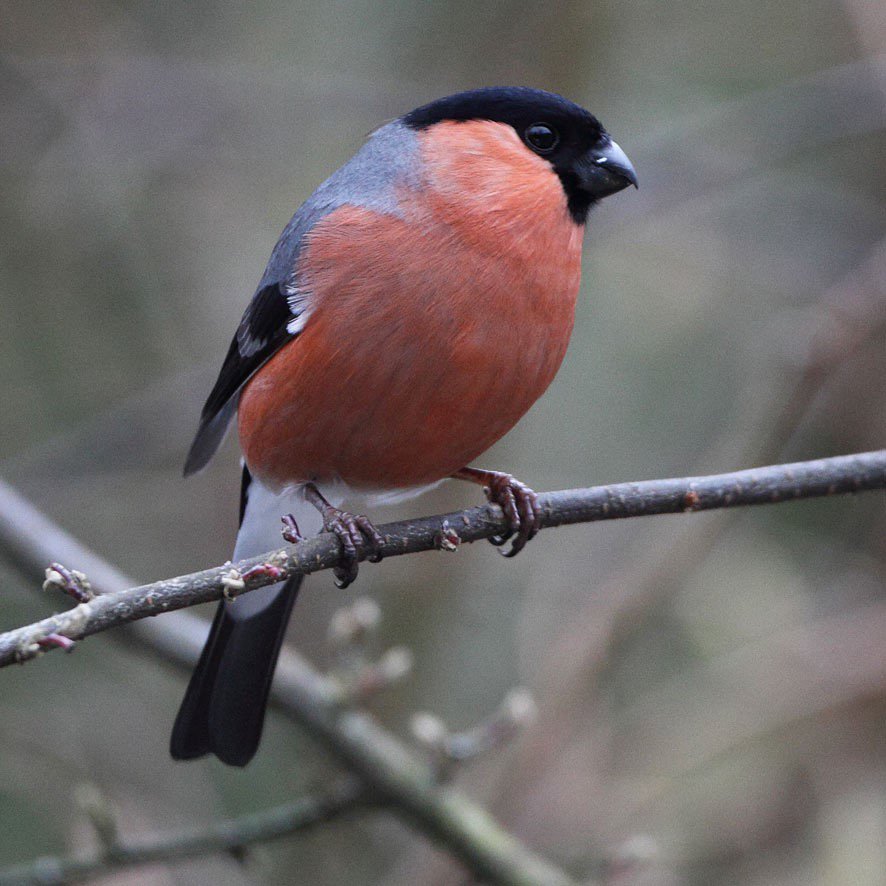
516, 499
290, 531
355, 533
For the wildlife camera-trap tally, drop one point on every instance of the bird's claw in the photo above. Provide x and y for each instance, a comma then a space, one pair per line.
290, 531
521, 510
354, 533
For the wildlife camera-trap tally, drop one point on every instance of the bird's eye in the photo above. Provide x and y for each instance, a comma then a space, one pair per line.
541, 137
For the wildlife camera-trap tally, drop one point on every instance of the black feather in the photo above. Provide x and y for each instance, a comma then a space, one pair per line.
518, 106
262, 332
223, 709
245, 482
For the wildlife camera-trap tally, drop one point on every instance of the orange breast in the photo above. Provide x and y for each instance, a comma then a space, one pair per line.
430, 335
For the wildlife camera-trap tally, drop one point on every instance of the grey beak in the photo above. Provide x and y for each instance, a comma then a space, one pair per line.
606, 170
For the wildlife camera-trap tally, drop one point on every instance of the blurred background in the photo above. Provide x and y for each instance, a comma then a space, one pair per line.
713, 685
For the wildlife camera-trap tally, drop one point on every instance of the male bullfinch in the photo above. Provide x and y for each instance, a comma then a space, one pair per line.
413, 309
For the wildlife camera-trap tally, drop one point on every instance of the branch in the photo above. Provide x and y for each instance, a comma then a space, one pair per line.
385, 765
382, 762
231, 836
769, 485
839, 326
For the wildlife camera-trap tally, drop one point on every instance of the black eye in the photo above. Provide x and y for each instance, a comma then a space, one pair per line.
541, 137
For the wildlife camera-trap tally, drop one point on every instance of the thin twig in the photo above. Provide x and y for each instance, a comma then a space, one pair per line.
232, 836
838, 326
384, 764
769, 485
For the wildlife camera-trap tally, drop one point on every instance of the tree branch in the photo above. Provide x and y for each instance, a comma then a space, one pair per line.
383, 763
769, 485
223, 836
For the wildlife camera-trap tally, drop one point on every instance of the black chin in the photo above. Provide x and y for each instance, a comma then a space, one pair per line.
578, 200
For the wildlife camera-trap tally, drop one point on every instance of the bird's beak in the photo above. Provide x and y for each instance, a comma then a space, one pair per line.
605, 170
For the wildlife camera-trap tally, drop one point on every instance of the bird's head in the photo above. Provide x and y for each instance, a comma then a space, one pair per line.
589, 164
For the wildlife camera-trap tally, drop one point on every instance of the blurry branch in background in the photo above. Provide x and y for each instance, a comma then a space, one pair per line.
848, 317
448, 749
358, 677
387, 769
357, 674
233, 836
769, 485
827, 663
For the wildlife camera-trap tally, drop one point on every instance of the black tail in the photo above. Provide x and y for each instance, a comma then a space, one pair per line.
223, 710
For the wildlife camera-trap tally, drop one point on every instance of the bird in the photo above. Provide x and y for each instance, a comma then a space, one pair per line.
413, 309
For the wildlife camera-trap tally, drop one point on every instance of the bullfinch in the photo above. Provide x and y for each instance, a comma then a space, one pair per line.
413, 309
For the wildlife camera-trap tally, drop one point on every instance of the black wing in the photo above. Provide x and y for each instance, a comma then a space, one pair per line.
278, 309
269, 322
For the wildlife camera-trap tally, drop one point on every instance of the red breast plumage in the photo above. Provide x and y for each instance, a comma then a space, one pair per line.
430, 334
